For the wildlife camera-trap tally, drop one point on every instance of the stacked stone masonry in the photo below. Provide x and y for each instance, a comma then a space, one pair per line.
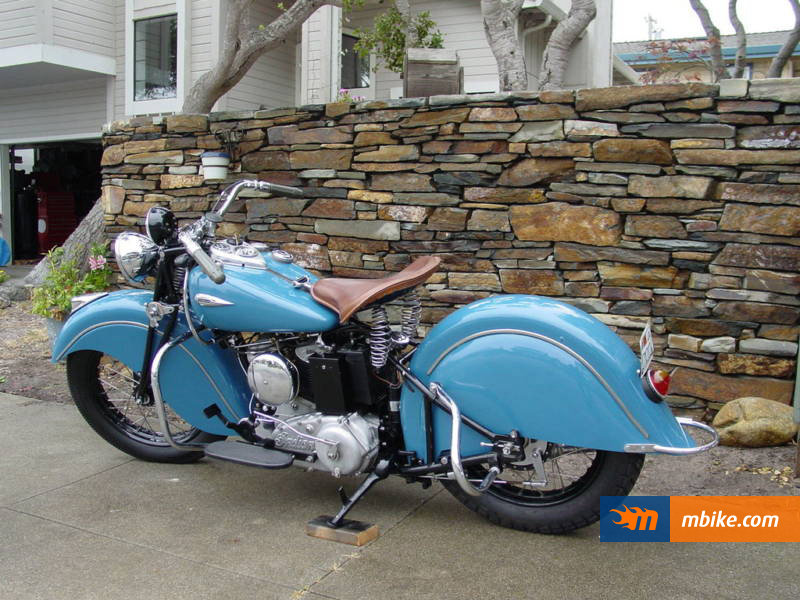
678, 204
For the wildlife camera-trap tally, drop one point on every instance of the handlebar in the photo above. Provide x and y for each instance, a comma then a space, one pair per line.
285, 190
203, 260
230, 193
191, 236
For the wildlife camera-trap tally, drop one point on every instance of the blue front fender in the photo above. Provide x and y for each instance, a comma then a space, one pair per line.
538, 366
193, 375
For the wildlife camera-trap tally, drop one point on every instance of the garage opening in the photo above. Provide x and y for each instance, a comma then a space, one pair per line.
53, 186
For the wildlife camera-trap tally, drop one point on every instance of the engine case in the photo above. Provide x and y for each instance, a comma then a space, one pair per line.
350, 441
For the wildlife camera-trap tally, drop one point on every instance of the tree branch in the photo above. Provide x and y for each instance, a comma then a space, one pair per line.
564, 36
741, 40
777, 64
500, 25
242, 46
712, 33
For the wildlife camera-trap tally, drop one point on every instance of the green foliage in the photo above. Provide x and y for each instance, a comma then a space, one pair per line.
65, 280
387, 38
3, 276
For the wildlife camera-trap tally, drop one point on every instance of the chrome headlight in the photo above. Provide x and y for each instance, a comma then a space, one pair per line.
136, 255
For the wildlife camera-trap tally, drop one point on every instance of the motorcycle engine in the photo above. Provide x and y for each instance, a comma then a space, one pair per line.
338, 444
315, 400
272, 378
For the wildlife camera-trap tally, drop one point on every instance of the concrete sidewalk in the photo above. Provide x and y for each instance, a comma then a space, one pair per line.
78, 519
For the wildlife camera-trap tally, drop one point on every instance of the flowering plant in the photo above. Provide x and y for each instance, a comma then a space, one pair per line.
677, 60
346, 96
53, 298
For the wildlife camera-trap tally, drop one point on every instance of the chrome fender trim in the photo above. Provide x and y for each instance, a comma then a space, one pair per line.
685, 423
557, 344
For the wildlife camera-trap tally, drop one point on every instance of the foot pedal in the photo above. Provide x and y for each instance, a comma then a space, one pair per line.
250, 455
355, 533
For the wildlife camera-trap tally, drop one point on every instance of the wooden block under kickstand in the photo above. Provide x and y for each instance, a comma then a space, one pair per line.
355, 533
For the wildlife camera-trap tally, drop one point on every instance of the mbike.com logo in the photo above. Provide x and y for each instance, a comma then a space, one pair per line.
634, 519
700, 519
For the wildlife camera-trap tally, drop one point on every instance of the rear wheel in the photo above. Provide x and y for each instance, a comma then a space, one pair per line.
576, 478
103, 390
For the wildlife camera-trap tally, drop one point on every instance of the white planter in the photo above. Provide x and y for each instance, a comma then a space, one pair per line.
215, 165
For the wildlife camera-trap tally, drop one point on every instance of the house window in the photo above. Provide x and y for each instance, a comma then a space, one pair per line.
355, 69
155, 58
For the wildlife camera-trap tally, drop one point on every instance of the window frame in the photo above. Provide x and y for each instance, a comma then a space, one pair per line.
132, 14
367, 92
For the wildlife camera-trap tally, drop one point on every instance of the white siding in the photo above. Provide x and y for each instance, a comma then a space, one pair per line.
316, 56
84, 25
19, 24
53, 111
203, 50
155, 6
589, 61
270, 82
119, 55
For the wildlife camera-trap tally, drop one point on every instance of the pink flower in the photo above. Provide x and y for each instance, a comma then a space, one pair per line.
97, 262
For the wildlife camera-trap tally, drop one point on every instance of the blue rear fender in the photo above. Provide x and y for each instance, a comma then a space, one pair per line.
193, 375
538, 366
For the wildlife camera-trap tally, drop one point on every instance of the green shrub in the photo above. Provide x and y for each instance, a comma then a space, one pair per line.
65, 280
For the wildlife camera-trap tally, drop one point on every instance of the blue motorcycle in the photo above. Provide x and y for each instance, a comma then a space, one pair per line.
525, 408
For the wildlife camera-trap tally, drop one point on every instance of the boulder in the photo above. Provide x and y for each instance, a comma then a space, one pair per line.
755, 422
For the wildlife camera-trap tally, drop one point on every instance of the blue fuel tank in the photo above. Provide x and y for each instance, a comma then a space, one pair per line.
258, 299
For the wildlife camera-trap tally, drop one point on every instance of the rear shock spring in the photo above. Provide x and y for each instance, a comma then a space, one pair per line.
379, 338
411, 314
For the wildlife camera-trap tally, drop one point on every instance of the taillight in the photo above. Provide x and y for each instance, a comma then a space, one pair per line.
656, 384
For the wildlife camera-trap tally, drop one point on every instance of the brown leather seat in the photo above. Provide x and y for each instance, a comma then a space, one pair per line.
347, 296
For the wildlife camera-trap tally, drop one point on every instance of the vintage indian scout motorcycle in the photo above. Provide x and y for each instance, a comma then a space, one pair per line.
525, 408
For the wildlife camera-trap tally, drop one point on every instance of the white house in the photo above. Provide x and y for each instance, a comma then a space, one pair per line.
69, 66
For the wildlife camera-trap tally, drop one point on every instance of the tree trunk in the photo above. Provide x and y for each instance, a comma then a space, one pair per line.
712, 34
404, 8
741, 40
500, 24
90, 231
564, 36
242, 46
777, 64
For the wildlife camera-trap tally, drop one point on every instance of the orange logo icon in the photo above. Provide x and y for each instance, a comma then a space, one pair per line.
636, 518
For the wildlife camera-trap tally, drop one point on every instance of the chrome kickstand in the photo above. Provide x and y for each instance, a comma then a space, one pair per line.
381, 472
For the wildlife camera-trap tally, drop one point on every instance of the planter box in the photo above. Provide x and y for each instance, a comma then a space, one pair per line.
432, 72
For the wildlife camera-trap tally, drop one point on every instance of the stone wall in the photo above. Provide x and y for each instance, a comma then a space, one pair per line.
676, 203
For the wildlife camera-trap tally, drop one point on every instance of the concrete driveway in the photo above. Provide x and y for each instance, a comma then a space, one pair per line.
78, 519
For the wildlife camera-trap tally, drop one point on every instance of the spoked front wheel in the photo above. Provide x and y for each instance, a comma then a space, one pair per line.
570, 499
103, 390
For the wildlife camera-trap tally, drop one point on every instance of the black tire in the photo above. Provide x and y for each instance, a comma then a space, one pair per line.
123, 423
560, 507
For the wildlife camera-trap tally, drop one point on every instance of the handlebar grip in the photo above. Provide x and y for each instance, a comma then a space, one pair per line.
285, 190
203, 260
